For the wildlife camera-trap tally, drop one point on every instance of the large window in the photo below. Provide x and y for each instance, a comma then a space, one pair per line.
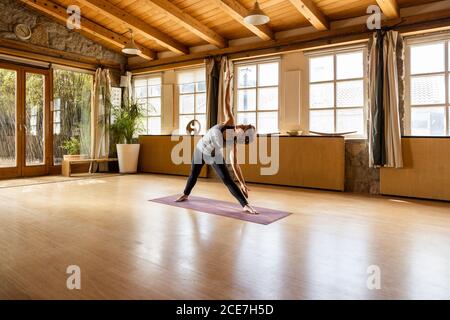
71, 110
148, 93
191, 98
428, 89
257, 95
337, 92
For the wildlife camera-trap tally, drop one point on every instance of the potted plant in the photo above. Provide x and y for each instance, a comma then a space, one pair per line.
126, 124
72, 148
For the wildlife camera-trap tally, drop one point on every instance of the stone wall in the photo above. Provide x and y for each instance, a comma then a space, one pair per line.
358, 176
50, 34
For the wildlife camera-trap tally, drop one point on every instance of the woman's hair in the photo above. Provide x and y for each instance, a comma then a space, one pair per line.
247, 135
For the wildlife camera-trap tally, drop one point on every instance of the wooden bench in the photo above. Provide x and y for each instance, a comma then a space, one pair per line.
67, 163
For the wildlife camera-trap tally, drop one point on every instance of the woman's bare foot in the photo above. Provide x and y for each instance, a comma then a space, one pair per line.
249, 209
182, 198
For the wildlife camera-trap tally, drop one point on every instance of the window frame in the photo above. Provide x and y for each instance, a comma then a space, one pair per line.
426, 40
334, 52
195, 94
54, 111
147, 98
256, 62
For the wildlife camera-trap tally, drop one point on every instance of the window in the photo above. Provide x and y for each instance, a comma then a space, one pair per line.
147, 92
428, 89
337, 92
191, 98
71, 110
57, 116
116, 96
33, 121
257, 95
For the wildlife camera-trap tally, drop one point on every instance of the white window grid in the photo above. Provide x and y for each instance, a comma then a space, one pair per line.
257, 87
57, 116
146, 102
335, 81
423, 40
116, 96
196, 93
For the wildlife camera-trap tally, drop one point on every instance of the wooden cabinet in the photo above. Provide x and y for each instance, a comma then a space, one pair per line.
313, 162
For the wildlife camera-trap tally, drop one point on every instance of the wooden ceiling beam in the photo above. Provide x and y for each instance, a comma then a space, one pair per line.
96, 31
389, 8
135, 23
238, 12
438, 20
313, 14
188, 22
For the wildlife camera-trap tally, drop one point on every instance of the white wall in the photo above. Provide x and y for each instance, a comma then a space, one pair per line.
169, 79
294, 113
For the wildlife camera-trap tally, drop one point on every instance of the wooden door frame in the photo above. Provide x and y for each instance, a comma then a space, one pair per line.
38, 170
21, 170
13, 172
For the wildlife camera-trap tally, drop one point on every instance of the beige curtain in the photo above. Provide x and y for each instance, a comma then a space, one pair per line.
219, 82
100, 117
210, 64
225, 87
385, 91
393, 134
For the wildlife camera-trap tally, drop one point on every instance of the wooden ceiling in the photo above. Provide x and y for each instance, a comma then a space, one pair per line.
177, 25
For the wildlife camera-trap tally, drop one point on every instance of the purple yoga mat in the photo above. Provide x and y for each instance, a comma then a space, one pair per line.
223, 208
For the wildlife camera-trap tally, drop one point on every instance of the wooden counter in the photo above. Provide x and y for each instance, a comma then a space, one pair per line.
426, 172
155, 156
304, 161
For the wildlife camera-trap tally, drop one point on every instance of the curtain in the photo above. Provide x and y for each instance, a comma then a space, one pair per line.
212, 91
219, 81
100, 118
225, 88
386, 54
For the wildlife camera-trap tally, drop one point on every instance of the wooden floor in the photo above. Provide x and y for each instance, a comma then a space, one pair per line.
129, 248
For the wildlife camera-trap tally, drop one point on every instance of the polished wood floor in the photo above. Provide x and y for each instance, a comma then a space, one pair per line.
129, 248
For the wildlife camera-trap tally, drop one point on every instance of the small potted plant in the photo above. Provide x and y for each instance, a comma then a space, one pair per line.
126, 125
72, 149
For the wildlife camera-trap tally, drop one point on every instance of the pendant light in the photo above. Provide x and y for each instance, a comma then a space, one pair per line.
256, 16
131, 47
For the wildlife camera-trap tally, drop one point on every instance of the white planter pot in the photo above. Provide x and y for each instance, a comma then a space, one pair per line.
128, 155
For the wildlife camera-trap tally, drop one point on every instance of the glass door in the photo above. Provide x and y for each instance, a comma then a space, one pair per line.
24, 121
34, 123
9, 144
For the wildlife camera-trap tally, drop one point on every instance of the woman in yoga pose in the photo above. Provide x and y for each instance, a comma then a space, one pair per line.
209, 150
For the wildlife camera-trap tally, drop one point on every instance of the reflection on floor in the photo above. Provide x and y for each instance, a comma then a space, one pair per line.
130, 248
22, 182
